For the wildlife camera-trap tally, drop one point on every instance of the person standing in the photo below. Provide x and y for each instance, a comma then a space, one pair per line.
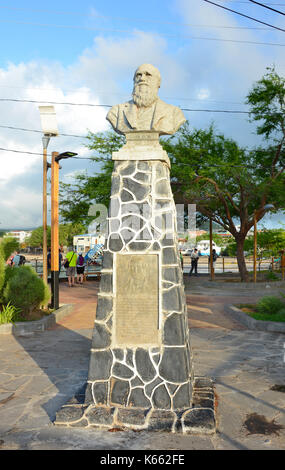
194, 262
70, 266
80, 266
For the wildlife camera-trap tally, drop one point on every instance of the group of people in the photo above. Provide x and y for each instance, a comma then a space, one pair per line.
16, 259
195, 258
73, 264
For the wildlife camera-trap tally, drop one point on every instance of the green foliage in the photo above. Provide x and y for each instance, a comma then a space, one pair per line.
76, 198
270, 305
2, 272
66, 233
269, 242
8, 246
267, 101
271, 276
9, 314
25, 290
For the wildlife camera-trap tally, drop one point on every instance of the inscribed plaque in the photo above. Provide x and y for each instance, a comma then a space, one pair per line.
137, 300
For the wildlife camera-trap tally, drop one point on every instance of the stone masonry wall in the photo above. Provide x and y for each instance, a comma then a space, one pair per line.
142, 219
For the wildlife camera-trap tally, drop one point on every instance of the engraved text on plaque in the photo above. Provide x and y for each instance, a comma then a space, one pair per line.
137, 300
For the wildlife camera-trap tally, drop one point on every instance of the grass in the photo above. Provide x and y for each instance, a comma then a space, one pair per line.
251, 310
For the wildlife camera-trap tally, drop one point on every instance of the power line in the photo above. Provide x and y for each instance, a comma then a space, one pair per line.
92, 159
146, 20
246, 16
269, 8
40, 132
110, 106
161, 34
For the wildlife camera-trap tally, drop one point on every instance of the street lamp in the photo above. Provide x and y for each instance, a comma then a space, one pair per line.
49, 128
56, 157
266, 208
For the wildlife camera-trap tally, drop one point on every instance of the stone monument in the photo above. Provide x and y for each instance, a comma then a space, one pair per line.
141, 368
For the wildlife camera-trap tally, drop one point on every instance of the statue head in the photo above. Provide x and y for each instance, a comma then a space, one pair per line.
146, 85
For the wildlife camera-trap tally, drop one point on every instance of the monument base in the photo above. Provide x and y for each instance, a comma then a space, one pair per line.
200, 418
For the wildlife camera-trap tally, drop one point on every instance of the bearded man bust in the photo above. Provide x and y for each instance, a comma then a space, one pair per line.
146, 111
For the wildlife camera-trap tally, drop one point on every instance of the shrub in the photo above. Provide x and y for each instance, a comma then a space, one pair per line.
270, 305
271, 276
9, 314
25, 290
2, 273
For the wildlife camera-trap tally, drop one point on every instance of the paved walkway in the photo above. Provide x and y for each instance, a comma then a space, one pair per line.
39, 373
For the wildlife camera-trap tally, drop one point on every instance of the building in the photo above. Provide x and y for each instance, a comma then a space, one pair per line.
20, 235
84, 243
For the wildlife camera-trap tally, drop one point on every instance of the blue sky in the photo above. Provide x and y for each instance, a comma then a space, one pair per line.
87, 52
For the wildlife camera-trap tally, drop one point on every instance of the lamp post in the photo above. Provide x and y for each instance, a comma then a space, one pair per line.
49, 128
266, 208
211, 250
56, 157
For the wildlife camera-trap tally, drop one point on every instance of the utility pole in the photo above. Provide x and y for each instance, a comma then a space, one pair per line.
254, 246
54, 232
45, 167
211, 250
56, 157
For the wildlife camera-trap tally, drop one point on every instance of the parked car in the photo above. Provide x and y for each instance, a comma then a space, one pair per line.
187, 252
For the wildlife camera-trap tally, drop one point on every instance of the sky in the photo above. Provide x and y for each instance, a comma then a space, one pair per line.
77, 56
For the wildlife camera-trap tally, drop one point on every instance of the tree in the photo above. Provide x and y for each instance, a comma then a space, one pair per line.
66, 233
76, 198
226, 182
8, 246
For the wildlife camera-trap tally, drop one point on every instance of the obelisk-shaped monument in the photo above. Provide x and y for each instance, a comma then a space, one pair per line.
141, 370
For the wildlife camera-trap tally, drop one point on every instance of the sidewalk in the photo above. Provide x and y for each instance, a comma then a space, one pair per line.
39, 373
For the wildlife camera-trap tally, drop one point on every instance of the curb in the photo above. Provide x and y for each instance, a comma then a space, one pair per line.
29, 328
246, 285
253, 324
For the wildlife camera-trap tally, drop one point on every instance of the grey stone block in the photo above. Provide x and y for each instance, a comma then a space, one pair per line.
126, 196
115, 242
108, 259
100, 416
115, 184
119, 391
138, 399
161, 420
161, 398
101, 338
122, 371
162, 188
139, 190
170, 274
171, 300
139, 246
169, 256
198, 420
149, 387
144, 365
129, 169
174, 330
106, 283
173, 365
67, 414
135, 417
114, 207
143, 177
100, 392
100, 365
182, 399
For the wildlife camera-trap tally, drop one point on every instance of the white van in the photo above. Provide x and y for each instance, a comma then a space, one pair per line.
203, 248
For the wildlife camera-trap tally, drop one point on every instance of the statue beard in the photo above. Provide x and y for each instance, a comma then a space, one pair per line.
144, 96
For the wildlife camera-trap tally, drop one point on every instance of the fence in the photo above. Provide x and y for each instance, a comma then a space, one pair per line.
225, 264
90, 270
